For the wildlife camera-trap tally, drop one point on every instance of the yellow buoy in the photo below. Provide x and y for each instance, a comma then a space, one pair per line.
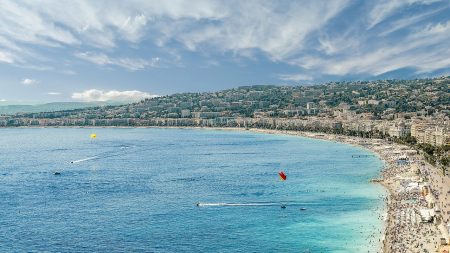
93, 136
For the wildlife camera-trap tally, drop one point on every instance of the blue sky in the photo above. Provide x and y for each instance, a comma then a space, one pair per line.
120, 50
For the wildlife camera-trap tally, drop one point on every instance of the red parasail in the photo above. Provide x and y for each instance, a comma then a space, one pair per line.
282, 175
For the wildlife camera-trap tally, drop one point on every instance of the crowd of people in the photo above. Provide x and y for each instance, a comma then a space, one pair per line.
404, 232
405, 229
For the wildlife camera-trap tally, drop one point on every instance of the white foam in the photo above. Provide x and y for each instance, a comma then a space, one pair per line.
85, 159
239, 204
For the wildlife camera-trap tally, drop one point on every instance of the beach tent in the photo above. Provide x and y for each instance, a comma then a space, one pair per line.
411, 152
403, 157
412, 187
426, 215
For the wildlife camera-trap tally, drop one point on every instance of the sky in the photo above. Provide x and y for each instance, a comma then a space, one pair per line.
125, 50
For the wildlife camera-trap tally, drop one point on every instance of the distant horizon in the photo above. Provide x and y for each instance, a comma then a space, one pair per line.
37, 103
4, 102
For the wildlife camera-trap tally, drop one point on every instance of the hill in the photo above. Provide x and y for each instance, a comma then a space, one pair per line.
50, 107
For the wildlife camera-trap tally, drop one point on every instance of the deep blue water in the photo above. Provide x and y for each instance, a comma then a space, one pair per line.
138, 193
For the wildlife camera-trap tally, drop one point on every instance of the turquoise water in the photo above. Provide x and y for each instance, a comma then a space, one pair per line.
138, 188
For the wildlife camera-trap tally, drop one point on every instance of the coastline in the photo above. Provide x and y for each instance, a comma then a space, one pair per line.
349, 141
403, 230
385, 245
400, 233
402, 220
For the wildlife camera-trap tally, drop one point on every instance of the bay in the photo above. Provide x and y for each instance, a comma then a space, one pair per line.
136, 189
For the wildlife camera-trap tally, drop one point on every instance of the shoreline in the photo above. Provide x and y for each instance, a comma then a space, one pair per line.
401, 217
399, 233
401, 223
349, 141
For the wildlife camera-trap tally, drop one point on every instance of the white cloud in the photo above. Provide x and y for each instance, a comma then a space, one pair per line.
381, 61
131, 64
2, 100
6, 57
112, 95
28, 81
356, 52
295, 77
52, 93
21, 23
408, 21
334, 45
99, 23
439, 29
132, 27
386, 8
315, 35
277, 29
259, 26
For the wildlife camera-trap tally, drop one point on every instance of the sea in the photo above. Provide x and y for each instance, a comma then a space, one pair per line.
185, 190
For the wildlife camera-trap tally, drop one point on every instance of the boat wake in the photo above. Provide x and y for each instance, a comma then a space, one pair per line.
122, 150
238, 204
85, 159
219, 204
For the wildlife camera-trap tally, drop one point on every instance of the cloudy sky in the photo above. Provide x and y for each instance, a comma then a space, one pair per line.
100, 50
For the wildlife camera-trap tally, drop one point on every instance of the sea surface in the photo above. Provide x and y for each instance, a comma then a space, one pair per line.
136, 189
